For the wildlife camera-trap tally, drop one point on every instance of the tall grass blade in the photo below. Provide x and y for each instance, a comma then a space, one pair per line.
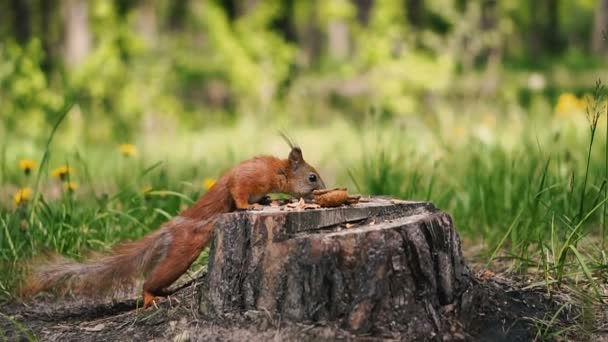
587, 272
507, 233
569, 240
45, 157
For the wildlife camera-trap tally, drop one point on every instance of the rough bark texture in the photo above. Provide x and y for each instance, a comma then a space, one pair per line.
374, 267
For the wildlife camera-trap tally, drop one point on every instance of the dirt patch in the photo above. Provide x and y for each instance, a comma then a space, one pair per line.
492, 310
500, 310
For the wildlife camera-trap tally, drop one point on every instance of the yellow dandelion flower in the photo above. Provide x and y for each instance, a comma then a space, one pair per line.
23, 195
70, 186
128, 150
208, 183
568, 104
27, 166
62, 172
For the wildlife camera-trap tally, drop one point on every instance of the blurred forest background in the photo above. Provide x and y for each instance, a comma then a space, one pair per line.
489, 109
189, 64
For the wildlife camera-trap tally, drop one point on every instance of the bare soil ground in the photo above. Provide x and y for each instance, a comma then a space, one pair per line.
494, 309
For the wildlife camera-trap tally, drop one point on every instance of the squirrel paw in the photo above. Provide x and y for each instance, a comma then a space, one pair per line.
149, 299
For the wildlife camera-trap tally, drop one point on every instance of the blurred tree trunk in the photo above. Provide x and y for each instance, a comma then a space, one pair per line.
284, 22
493, 52
364, 7
124, 6
230, 7
534, 38
489, 15
50, 32
147, 22
600, 27
415, 12
178, 9
21, 16
237, 8
461, 5
338, 39
544, 27
245, 6
311, 34
23, 20
77, 35
552, 34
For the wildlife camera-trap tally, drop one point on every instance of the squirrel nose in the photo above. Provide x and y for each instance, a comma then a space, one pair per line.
321, 184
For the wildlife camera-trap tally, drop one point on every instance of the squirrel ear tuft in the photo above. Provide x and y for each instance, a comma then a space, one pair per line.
295, 156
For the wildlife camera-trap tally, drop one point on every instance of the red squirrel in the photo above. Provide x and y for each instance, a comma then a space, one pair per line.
165, 254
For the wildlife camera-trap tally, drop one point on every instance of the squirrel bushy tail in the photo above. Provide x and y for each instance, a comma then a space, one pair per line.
102, 273
160, 257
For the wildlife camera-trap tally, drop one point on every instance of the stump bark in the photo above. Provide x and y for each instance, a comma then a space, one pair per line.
373, 267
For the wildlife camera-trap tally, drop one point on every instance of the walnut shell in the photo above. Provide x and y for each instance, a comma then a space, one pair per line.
333, 197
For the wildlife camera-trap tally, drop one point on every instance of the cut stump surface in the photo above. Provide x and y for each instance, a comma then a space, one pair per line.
371, 267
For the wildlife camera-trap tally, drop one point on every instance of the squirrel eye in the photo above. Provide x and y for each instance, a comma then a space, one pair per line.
312, 178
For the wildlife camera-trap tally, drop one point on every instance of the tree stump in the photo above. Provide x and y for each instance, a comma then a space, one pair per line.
375, 267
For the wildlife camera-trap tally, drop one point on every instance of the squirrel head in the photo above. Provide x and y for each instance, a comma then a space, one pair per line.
303, 178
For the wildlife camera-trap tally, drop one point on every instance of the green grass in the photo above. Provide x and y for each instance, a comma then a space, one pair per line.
531, 190
539, 205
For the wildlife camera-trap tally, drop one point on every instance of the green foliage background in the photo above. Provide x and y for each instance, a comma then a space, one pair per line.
200, 63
